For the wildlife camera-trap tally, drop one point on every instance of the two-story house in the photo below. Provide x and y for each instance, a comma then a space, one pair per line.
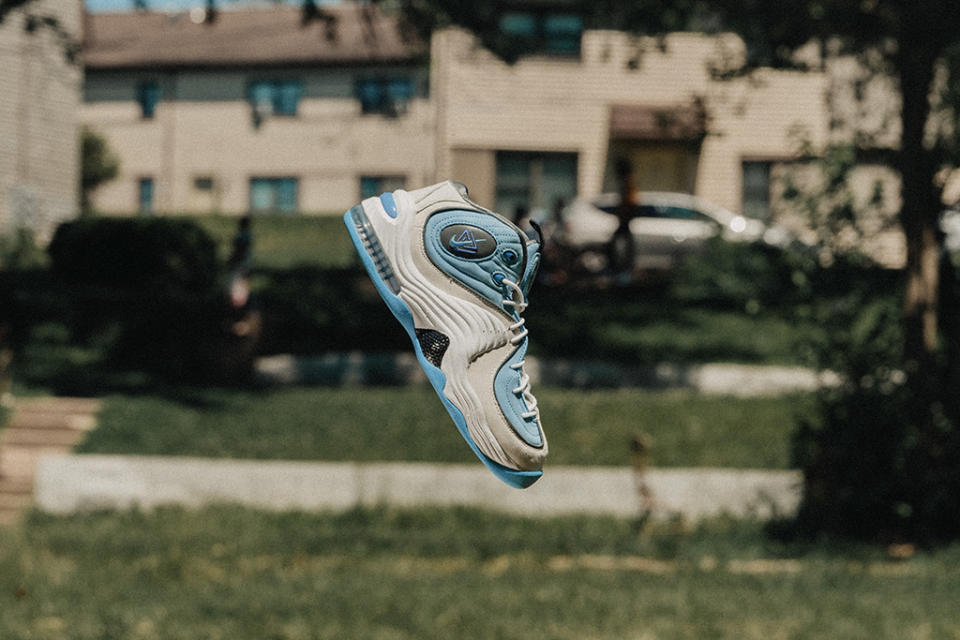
256, 110
260, 111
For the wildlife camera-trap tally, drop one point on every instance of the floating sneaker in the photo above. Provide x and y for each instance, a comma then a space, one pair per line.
456, 276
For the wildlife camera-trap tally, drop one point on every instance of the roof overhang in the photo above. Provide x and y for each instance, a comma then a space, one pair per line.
639, 122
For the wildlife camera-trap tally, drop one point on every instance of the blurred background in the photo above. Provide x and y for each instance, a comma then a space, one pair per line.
744, 335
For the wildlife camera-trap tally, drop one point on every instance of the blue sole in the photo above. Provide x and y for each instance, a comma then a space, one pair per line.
438, 380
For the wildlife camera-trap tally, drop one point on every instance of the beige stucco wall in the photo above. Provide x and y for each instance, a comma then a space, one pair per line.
550, 104
477, 105
202, 129
39, 95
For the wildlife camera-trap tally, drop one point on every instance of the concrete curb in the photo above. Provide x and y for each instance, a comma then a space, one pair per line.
72, 483
402, 368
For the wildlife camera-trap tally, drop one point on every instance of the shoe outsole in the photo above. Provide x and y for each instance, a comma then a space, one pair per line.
381, 273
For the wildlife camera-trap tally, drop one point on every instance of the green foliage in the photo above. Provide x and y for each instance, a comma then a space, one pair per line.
880, 461
834, 208
286, 242
877, 466
19, 251
138, 294
148, 254
744, 276
648, 324
97, 165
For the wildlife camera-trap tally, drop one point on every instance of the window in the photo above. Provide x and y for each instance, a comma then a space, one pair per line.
148, 95
534, 181
386, 96
145, 196
756, 190
275, 97
203, 183
542, 32
273, 195
561, 34
372, 186
669, 212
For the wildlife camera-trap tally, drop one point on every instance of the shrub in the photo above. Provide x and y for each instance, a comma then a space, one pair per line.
19, 251
880, 462
151, 254
145, 291
744, 276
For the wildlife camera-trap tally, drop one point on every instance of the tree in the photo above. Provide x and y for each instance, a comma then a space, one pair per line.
913, 43
97, 165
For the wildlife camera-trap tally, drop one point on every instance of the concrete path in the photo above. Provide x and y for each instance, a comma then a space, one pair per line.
741, 380
68, 484
38, 427
35, 468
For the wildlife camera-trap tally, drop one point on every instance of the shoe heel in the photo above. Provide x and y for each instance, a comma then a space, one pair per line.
371, 244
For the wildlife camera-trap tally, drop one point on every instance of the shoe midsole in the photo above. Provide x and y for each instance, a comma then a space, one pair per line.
372, 245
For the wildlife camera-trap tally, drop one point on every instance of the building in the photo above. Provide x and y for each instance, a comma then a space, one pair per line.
260, 111
552, 125
257, 110
39, 97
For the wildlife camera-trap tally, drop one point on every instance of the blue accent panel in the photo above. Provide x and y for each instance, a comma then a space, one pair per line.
389, 204
512, 477
512, 404
476, 274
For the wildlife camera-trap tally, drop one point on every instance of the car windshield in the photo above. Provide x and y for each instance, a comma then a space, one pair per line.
660, 211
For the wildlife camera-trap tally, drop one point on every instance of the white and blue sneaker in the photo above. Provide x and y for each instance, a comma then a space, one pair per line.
456, 276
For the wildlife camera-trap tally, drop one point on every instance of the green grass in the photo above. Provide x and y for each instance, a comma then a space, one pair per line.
281, 242
648, 325
376, 574
583, 427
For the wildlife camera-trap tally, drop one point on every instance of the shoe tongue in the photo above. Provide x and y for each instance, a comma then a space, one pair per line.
530, 268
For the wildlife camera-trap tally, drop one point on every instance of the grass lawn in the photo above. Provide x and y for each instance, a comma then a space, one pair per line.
409, 423
381, 574
281, 242
649, 325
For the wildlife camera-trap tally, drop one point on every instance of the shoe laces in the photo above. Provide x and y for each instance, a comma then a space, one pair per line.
518, 303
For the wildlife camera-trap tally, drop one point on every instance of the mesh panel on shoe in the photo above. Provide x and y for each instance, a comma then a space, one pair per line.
433, 344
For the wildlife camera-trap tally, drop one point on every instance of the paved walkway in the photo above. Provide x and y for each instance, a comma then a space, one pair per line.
735, 379
742, 380
72, 483
38, 427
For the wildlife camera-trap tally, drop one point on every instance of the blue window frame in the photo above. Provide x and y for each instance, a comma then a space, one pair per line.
384, 95
275, 97
148, 95
145, 196
274, 195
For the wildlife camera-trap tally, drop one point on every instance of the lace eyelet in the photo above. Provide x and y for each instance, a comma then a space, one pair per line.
510, 256
498, 278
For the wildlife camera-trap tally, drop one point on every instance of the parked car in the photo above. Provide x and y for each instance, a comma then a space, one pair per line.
666, 227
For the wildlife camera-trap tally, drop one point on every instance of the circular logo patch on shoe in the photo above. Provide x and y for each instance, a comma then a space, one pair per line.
467, 241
